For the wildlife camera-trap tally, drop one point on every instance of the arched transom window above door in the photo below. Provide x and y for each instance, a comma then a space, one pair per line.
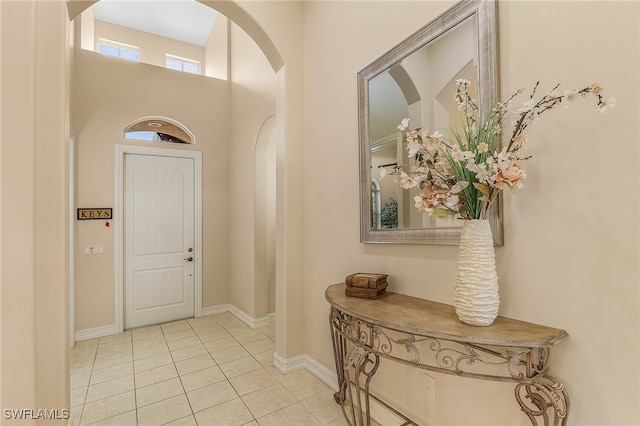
159, 129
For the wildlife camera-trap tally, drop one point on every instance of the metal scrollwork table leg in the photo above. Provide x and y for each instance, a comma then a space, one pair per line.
521, 358
350, 389
543, 394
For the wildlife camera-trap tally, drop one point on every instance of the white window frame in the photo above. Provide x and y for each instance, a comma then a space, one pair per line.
183, 61
119, 46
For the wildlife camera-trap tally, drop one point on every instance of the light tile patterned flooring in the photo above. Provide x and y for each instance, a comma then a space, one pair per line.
206, 371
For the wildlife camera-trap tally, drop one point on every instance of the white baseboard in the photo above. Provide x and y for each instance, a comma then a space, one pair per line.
218, 309
304, 361
92, 333
379, 412
108, 330
288, 365
251, 322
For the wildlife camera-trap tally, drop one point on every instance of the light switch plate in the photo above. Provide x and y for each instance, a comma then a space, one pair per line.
93, 249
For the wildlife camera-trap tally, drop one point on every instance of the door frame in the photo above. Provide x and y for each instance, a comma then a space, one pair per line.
118, 215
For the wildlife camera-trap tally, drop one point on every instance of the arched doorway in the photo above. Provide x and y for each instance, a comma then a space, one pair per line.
273, 59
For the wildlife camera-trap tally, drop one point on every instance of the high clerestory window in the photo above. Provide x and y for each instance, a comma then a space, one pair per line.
182, 64
119, 50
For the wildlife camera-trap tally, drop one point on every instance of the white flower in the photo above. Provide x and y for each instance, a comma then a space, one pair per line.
459, 186
527, 105
453, 203
417, 170
458, 155
413, 147
481, 173
432, 142
570, 95
606, 104
444, 167
471, 165
403, 124
406, 181
410, 136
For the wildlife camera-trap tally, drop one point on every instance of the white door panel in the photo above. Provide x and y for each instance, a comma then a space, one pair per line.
158, 288
159, 239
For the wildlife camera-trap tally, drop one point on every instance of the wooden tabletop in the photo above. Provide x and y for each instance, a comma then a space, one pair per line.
428, 318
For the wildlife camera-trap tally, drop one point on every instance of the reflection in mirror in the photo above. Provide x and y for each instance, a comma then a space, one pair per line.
417, 80
394, 95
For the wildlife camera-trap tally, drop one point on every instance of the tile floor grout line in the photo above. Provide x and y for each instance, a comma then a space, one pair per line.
193, 413
93, 363
225, 376
235, 327
228, 378
238, 393
135, 388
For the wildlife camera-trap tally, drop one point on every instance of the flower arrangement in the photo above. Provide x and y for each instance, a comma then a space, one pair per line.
461, 177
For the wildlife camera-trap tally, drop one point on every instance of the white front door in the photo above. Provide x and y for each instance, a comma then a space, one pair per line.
158, 239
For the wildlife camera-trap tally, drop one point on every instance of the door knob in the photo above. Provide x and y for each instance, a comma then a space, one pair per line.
189, 259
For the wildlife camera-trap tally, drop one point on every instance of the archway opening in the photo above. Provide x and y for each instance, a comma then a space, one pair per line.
136, 96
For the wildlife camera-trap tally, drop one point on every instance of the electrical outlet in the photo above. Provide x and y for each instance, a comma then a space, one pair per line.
430, 386
93, 249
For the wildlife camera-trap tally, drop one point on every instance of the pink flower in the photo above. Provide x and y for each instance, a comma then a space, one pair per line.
512, 175
430, 198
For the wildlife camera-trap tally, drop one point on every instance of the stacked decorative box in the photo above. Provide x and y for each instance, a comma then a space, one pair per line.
365, 285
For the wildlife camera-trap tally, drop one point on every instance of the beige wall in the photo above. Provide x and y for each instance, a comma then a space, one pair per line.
216, 51
567, 262
278, 28
108, 95
34, 215
252, 102
103, 89
152, 47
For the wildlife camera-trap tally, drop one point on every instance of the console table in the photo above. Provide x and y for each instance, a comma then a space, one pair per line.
428, 335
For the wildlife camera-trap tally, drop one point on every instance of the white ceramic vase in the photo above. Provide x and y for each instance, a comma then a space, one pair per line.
475, 295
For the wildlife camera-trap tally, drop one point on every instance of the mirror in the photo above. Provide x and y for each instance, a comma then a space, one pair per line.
417, 80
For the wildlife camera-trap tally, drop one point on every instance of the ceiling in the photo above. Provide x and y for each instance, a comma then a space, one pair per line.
184, 20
